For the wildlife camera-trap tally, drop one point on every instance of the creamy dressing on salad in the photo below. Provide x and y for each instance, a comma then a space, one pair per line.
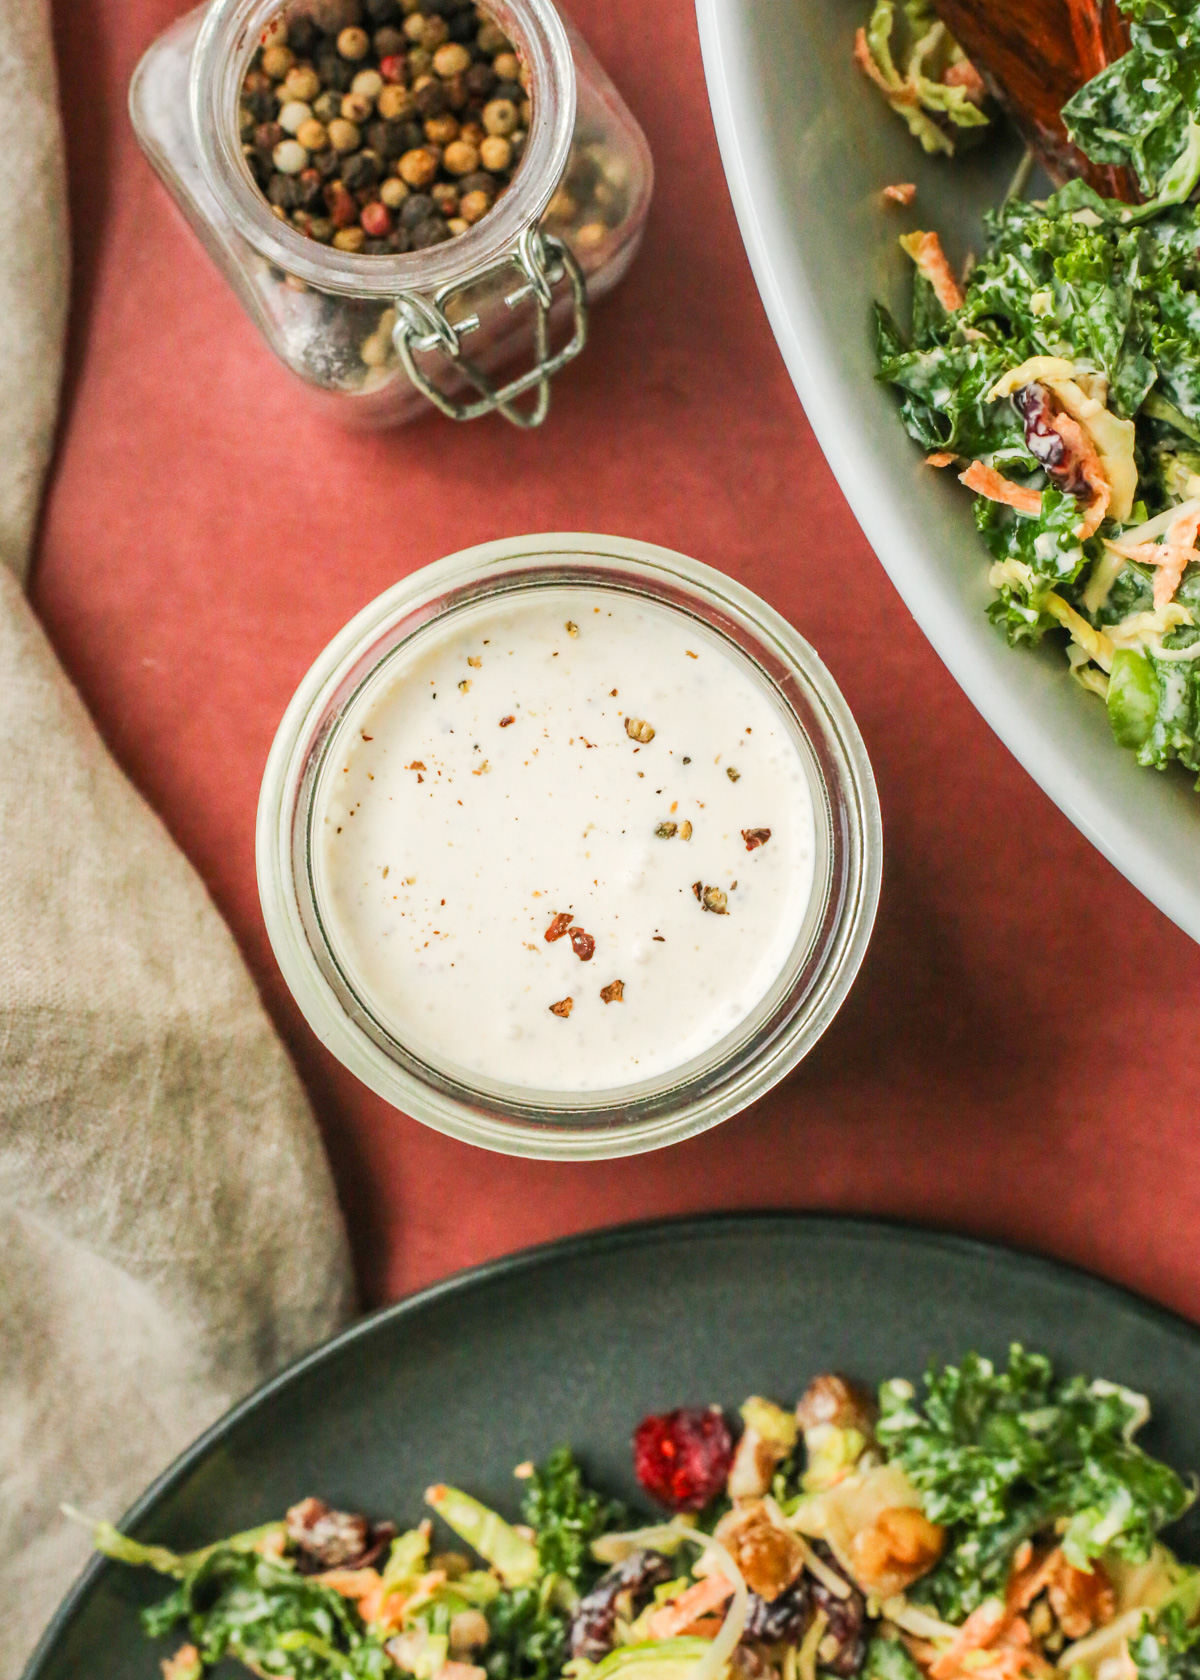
579, 764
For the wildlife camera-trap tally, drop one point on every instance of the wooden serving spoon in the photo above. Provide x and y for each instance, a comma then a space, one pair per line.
1034, 54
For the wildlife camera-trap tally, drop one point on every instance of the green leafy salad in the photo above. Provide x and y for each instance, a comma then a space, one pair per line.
1000, 1525
1061, 381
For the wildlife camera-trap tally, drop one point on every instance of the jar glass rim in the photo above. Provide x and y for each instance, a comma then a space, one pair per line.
685, 1100
219, 61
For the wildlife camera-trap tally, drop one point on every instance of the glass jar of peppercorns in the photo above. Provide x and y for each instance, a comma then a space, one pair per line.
407, 195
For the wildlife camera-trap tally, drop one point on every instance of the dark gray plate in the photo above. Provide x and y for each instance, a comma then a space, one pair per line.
575, 1342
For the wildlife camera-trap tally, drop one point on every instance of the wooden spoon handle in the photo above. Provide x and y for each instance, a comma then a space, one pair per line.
1035, 54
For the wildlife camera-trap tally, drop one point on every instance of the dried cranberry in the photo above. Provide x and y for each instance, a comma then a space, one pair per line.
785, 1619
1036, 407
682, 1458
847, 1618
596, 1616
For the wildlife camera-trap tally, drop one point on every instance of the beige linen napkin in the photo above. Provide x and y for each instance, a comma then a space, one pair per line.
169, 1233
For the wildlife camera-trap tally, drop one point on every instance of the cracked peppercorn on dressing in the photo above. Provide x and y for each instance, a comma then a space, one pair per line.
574, 763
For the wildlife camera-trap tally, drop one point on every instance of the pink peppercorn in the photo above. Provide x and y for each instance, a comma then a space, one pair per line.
394, 68
376, 220
343, 211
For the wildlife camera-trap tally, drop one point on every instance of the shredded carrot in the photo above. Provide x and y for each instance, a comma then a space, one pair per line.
900, 93
986, 481
925, 249
901, 192
964, 75
680, 1613
351, 1583
461, 1671
1171, 557
1081, 446
979, 1630
941, 458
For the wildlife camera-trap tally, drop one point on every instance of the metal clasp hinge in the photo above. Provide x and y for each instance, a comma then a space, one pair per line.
423, 328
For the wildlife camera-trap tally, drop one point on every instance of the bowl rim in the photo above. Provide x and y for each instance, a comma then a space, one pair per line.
625, 1121
1123, 836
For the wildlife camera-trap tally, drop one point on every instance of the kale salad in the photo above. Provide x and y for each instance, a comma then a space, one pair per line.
1000, 1524
1060, 377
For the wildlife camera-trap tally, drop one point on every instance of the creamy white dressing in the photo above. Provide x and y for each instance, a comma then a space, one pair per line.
487, 782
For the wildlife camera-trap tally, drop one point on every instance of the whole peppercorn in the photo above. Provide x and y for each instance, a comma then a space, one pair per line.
284, 191
386, 139
327, 164
376, 220
312, 135
394, 68
441, 130
274, 32
418, 208
512, 91
395, 103
293, 114
311, 189
361, 169
289, 157
302, 83
495, 153
460, 157
344, 136
474, 206
419, 62
336, 72
350, 239
445, 197
393, 192
432, 232
267, 136
472, 132
354, 43
457, 225
389, 43
434, 33
367, 84
478, 181
500, 116
382, 11
507, 66
418, 168
480, 80
491, 39
301, 35
341, 204
414, 27
277, 61
451, 60
429, 98
328, 106
455, 90
321, 229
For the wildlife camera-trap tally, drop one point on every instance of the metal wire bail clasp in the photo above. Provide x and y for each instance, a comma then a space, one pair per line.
423, 328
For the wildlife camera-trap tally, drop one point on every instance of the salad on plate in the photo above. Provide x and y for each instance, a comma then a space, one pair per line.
1059, 376
1000, 1524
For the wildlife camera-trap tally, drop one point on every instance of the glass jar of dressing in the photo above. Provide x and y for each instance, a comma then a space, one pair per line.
568, 846
382, 337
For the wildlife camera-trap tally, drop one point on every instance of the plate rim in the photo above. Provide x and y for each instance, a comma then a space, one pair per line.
585, 1244
1122, 841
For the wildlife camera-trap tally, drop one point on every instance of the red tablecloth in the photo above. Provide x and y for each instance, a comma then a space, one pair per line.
1019, 1058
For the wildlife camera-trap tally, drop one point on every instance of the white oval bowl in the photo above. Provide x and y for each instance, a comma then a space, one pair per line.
807, 146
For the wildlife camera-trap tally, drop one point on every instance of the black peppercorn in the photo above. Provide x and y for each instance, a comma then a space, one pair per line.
377, 248
417, 208
462, 28
432, 232
430, 100
361, 169
509, 90
480, 80
382, 11
261, 104
302, 34
413, 136
334, 70
387, 139
327, 164
284, 190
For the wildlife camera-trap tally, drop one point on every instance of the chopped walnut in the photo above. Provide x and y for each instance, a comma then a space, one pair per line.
832, 1399
768, 1555
558, 927
698, 889
505, 721
638, 729
1080, 1599
755, 837
572, 628
474, 660
613, 993
464, 686
734, 775
666, 831
898, 1548
583, 945
563, 1007
715, 900
415, 765
685, 831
